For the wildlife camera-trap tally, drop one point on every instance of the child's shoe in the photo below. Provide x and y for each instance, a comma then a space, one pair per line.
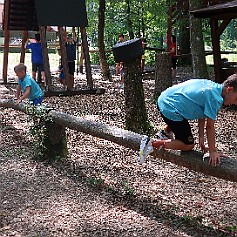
146, 148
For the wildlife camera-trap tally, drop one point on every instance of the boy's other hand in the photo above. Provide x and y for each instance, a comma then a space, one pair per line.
215, 158
204, 148
18, 101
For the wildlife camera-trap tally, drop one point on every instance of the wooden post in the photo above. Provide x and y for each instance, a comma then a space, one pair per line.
45, 56
87, 57
6, 42
216, 49
63, 52
163, 74
23, 49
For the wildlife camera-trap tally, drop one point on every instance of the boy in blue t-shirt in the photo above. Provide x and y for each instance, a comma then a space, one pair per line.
30, 89
37, 57
194, 99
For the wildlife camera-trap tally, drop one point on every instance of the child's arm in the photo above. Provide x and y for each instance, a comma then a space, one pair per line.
18, 91
214, 155
24, 96
201, 125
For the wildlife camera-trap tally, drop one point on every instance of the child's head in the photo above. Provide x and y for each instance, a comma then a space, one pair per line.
121, 37
69, 38
20, 70
37, 37
229, 92
173, 39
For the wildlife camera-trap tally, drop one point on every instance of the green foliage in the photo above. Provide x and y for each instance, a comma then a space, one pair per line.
149, 20
38, 130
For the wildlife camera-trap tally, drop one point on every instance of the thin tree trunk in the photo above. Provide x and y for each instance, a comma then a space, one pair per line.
197, 43
129, 21
184, 41
103, 62
163, 74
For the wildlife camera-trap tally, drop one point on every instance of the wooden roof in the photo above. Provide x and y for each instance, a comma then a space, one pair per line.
220, 11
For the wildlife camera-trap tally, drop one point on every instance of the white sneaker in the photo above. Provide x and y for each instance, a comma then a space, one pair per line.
146, 148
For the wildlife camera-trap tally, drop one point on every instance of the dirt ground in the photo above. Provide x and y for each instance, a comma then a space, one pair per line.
100, 190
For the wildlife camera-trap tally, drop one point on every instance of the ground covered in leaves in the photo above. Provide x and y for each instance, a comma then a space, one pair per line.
100, 190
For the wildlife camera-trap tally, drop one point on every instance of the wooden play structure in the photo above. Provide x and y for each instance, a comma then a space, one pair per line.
220, 13
36, 15
220, 16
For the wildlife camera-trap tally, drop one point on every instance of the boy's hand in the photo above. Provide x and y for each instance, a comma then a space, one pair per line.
18, 101
204, 148
215, 158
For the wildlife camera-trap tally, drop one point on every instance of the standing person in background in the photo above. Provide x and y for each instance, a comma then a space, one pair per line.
71, 56
173, 54
119, 66
37, 58
143, 56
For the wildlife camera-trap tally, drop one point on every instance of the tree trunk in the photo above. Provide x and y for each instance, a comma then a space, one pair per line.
197, 43
184, 41
136, 114
129, 21
45, 56
163, 74
55, 142
101, 25
87, 57
192, 160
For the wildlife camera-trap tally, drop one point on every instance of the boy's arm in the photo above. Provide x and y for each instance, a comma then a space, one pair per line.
24, 96
18, 91
201, 125
214, 156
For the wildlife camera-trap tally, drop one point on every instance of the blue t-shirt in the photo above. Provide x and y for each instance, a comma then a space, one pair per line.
35, 90
193, 99
36, 53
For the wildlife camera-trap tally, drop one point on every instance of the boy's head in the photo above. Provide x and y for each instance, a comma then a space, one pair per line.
229, 92
37, 37
20, 70
69, 38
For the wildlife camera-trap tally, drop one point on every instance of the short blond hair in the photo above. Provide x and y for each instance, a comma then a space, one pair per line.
20, 67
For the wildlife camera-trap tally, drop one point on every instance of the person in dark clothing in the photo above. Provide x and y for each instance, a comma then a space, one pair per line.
71, 57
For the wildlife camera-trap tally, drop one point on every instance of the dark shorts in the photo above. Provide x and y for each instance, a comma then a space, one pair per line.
37, 67
37, 101
71, 67
174, 62
181, 130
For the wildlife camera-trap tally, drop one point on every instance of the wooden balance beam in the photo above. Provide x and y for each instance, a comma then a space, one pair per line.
192, 160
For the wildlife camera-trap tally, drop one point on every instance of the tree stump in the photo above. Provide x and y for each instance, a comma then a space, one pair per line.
163, 74
55, 142
130, 53
135, 108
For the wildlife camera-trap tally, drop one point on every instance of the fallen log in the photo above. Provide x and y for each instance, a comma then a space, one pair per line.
192, 160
